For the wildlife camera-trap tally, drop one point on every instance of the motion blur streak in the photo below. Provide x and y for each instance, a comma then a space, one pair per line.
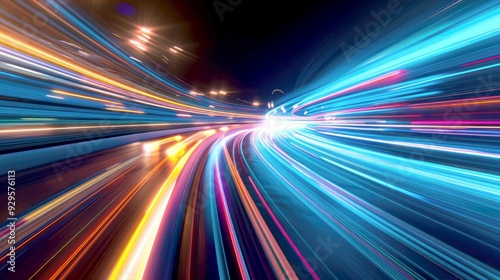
383, 166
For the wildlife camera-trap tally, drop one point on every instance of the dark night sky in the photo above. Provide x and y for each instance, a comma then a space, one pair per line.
259, 46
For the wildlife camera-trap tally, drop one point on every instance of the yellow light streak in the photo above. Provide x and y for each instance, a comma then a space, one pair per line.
125, 110
22, 130
134, 258
44, 55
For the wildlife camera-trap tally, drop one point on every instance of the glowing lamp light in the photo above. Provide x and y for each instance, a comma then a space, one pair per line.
149, 148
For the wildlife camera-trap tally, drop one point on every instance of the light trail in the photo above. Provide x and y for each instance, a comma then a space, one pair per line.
382, 162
